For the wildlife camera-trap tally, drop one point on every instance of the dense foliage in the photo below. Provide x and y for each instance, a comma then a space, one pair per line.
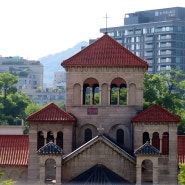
181, 175
12, 103
168, 91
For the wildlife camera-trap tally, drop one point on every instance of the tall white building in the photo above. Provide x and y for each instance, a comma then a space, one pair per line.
30, 72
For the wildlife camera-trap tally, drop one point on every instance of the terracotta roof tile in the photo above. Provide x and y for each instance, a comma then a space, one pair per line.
105, 52
155, 113
14, 150
51, 113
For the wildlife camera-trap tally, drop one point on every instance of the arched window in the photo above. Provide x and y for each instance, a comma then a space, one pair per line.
118, 92
91, 92
50, 137
156, 140
120, 137
146, 137
40, 139
88, 134
59, 140
165, 143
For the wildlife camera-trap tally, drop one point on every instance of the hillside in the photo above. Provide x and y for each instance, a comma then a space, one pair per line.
52, 62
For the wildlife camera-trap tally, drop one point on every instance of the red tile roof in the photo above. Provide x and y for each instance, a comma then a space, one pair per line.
51, 113
14, 150
155, 113
105, 52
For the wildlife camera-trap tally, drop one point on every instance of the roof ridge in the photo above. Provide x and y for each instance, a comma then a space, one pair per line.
155, 113
51, 112
101, 52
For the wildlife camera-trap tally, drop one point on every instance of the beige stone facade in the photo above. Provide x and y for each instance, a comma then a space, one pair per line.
102, 132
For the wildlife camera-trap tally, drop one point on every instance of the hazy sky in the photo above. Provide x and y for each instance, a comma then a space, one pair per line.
35, 28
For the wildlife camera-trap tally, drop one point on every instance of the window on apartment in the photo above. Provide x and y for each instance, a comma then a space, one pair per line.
148, 46
148, 53
118, 33
150, 69
138, 46
138, 31
149, 38
137, 53
177, 60
138, 39
150, 60
145, 30
111, 34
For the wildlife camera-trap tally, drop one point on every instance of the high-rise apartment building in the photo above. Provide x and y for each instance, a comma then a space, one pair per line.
157, 36
29, 72
59, 79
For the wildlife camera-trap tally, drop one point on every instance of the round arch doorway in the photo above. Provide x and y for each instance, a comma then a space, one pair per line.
50, 170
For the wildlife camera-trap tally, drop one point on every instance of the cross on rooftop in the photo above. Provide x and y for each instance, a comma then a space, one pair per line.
106, 22
100, 129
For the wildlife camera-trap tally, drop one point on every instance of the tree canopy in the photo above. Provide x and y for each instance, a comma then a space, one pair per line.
166, 89
12, 103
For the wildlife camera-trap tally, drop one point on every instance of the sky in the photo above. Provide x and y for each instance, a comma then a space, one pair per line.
36, 28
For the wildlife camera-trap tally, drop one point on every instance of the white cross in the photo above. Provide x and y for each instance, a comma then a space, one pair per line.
100, 129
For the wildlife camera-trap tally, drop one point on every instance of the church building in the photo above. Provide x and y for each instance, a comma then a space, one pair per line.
104, 136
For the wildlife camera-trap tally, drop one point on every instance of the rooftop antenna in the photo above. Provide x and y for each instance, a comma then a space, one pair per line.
106, 23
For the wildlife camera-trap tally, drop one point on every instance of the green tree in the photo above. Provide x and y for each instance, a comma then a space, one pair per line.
61, 104
12, 103
30, 109
181, 175
7, 82
167, 90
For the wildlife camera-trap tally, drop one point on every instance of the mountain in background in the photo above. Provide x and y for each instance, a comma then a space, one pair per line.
52, 62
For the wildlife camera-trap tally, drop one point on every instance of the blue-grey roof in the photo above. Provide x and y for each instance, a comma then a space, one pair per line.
50, 148
147, 149
98, 175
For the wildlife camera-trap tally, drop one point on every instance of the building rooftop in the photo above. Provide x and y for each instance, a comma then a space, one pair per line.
14, 150
156, 15
50, 148
147, 149
105, 51
51, 113
155, 113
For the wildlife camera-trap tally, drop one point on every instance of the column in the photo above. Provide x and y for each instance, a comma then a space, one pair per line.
150, 137
91, 96
81, 102
155, 175
138, 174
109, 89
55, 137
118, 95
42, 171
160, 137
45, 137
58, 174
99, 95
